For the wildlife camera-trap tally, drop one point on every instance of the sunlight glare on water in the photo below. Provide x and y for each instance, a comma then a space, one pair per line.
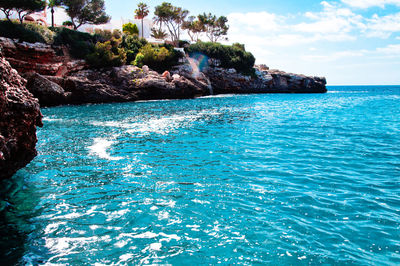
251, 179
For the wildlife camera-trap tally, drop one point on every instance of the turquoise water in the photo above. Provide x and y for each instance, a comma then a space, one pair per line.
252, 179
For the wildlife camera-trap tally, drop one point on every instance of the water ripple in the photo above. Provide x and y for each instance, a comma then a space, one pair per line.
258, 179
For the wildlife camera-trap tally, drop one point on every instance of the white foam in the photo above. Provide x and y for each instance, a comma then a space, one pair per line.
162, 125
156, 246
100, 147
48, 119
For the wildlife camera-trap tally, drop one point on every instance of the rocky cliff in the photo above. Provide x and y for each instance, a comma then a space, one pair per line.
41, 58
55, 79
19, 116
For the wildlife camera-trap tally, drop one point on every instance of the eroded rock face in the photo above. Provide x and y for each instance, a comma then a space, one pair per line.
264, 81
41, 58
119, 84
19, 117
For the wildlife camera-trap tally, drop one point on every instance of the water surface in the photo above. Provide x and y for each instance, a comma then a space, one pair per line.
251, 179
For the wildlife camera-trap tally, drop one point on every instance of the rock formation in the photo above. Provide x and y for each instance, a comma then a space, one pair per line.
41, 58
264, 81
55, 79
119, 84
19, 116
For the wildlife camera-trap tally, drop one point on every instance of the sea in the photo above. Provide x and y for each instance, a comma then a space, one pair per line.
262, 179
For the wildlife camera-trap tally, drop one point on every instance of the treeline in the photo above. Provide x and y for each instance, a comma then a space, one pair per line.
105, 48
169, 20
175, 19
81, 12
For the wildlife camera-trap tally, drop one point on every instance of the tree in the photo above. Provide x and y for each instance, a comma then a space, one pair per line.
215, 28
141, 12
158, 33
52, 4
130, 28
194, 28
6, 6
173, 17
86, 12
22, 7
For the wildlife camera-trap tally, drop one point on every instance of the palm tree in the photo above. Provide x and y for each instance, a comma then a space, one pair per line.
141, 12
52, 4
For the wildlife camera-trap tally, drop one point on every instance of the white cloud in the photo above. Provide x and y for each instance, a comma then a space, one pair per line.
332, 20
383, 27
391, 50
334, 56
364, 4
254, 21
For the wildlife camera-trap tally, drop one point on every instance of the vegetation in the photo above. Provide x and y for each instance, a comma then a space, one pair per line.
194, 28
157, 57
141, 12
132, 44
130, 28
105, 48
158, 33
107, 54
234, 56
68, 23
173, 17
86, 12
21, 7
26, 32
80, 44
215, 28
106, 35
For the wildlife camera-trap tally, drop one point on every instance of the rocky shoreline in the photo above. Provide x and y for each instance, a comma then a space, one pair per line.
39, 75
57, 79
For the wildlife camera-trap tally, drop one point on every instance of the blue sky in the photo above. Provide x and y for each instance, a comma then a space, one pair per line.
353, 42
347, 41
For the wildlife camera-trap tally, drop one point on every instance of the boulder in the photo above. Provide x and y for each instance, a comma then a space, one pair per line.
19, 117
167, 76
49, 93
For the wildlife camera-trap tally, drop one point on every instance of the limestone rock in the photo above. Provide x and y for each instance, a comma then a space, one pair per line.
167, 76
19, 117
40, 58
48, 92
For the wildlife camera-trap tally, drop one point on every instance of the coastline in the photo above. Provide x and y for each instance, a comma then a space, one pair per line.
56, 79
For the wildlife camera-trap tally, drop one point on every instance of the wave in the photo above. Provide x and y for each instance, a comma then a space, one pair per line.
100, 147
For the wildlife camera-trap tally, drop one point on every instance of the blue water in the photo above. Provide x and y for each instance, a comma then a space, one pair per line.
252, 179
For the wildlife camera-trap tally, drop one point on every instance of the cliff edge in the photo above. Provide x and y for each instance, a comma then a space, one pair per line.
19, 117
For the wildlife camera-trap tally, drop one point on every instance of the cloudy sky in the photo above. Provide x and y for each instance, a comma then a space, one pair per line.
347, 41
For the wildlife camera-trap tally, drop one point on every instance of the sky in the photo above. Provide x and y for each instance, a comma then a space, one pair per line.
350, 42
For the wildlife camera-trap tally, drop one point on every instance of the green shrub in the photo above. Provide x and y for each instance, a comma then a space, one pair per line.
25, 32
80, 44
139, 60
106, 35
132, 44
47, 34
107, 54
130, 28
234, 56
68, 23
159, 58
